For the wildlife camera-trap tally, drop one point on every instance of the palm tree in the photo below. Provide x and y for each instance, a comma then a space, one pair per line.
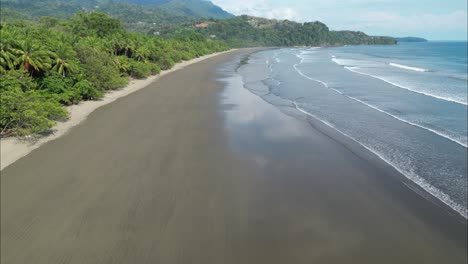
31, 56
116, 42
7, 51
6, 57
122, 63
142, 53
128, 46
63, 60
97, 44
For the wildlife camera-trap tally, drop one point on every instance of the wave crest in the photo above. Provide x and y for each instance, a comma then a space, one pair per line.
406, 67
419, 181
440, 97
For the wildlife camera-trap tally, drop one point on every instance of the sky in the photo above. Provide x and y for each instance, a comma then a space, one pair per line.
431, 19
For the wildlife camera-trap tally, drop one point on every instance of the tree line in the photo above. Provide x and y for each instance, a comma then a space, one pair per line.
245, 31
51, 63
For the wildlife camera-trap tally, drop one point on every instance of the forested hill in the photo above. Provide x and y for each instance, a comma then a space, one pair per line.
157, 9
254, 31
411, 39
190, 8
166, 17
135, 17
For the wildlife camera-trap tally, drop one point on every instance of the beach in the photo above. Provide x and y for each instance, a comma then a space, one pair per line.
13, 148
197, 169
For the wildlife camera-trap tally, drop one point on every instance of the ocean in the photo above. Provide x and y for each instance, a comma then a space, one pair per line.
406, 103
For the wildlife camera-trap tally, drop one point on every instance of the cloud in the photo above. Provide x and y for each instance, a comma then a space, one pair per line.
394, 24
434, 19
259, 8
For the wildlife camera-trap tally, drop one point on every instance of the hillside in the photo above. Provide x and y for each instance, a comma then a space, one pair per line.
157, 8
189, 8
195, 8
254, 31
172, 17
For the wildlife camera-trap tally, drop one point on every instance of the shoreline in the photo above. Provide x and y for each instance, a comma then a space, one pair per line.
414, 182
199, 169
13, 148
375, 178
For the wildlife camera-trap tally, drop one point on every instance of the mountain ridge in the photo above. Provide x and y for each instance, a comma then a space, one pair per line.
66, 9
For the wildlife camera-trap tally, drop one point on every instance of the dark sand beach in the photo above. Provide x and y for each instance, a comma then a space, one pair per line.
196, 169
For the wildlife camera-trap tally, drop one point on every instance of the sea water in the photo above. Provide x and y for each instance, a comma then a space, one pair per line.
406, 103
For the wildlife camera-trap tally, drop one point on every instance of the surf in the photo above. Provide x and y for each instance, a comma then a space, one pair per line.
356, 65
435, 192
464, 144
445, 98
401, 66
406, 170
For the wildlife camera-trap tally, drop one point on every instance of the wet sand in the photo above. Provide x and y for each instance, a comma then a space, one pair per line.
186, 171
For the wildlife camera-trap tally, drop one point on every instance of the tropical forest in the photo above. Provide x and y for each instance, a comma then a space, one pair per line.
58, 53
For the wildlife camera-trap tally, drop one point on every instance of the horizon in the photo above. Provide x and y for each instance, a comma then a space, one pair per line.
434, 21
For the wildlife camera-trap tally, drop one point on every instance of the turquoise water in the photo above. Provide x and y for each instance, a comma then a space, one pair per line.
406, 103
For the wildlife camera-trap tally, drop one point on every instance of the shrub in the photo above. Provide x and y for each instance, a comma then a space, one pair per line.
100, 68
23, 113
154, 68
185, 55
17, 79
54, 83
166, 63
139, 69
175, 56
86, 90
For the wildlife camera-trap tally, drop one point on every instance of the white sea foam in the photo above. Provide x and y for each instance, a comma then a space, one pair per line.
355, 65
310, 78
464, 144
408, 174
401, 66
338, 61
305, 76
446, 98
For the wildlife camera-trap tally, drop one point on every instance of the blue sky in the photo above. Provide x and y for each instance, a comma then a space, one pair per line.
431, 19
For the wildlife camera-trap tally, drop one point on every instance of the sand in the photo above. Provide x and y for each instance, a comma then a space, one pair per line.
12, 149
190, 170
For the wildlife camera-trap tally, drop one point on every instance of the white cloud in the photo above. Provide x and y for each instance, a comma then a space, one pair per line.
434, 19
259, 8
395, 24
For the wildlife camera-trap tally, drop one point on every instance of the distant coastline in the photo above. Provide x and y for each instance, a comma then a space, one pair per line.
410, 39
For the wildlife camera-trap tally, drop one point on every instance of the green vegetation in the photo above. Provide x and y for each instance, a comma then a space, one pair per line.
147, 16
189, 8
166, 17
245, 31
66, 9
55, 53
411, 39
50, 63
